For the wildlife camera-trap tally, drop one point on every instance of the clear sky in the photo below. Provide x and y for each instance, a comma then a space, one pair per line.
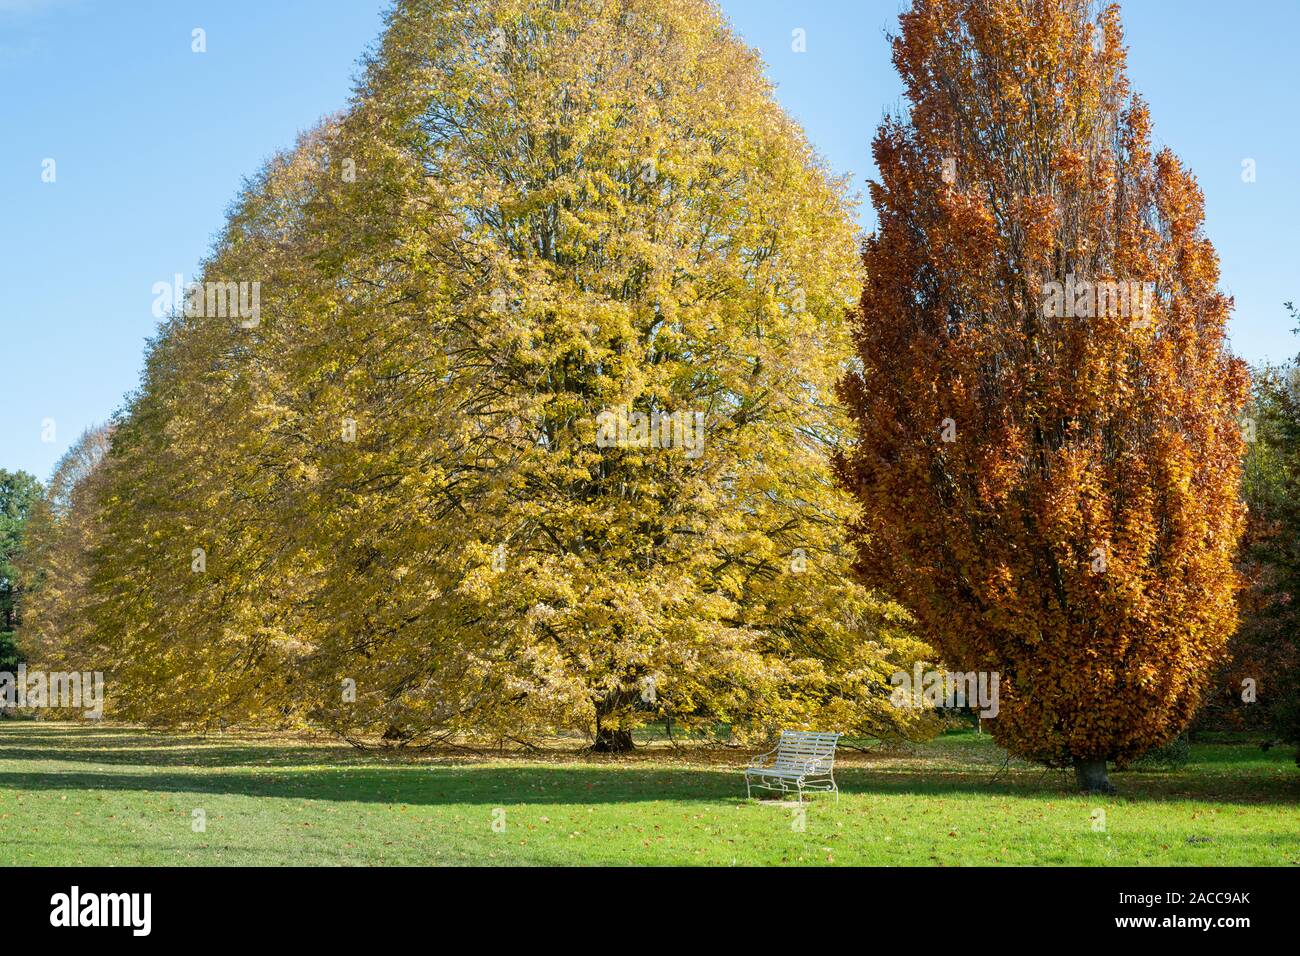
151, 141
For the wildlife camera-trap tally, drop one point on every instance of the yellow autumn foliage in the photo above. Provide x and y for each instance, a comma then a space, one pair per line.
418, 496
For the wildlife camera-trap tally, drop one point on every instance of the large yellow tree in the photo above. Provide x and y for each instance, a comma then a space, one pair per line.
420, 496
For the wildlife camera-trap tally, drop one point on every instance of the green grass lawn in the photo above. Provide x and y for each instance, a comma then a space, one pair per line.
99, 795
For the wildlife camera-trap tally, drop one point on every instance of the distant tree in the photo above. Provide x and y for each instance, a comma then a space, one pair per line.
1048, 448
1265, 663
56, 564
18, 493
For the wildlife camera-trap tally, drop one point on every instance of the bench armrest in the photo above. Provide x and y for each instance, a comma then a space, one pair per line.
762, 762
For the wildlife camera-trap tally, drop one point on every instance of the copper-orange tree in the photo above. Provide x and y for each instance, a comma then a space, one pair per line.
1049, 476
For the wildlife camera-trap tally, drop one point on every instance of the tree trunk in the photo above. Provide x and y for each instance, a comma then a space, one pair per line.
1091, 775
613, 742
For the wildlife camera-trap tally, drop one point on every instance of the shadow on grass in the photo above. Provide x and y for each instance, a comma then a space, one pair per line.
131, 746
209, 756
340, 773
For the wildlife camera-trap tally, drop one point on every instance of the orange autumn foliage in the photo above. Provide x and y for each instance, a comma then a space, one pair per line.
1073, 526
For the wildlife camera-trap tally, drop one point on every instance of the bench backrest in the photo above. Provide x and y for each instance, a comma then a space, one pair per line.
798, 747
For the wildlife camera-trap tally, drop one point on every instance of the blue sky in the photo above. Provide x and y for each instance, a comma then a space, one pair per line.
151, 142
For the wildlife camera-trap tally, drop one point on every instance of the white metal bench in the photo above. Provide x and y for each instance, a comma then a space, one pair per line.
803, 760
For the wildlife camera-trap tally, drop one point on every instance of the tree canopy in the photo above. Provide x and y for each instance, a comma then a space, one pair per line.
1047, 441
18, 493
532, 429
